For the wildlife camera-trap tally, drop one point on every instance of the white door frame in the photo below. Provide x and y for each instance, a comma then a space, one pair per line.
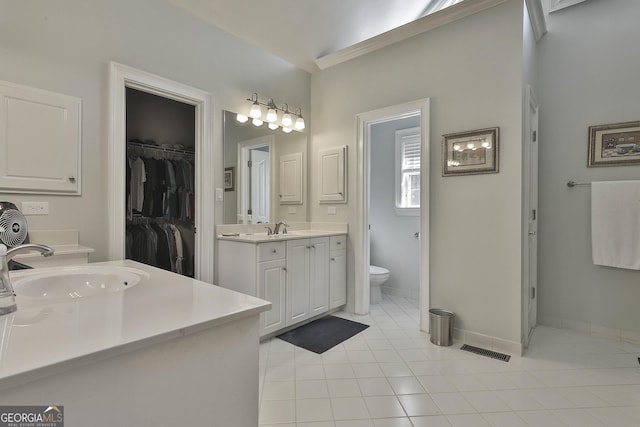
121, 77
243, 173
361, 234
530, 216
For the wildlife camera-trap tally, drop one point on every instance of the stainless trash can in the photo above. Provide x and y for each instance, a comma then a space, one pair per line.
441, 326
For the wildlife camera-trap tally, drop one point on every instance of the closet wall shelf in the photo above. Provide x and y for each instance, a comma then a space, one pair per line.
159, 149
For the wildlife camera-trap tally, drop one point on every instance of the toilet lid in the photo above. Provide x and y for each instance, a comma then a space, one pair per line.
374, 269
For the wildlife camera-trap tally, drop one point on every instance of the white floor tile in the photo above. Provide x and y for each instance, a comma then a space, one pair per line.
339, 371
343, 388
392, 422
313, 410
384, 407
277, 411
431, 421
418, 404
486, 401
467, 420
452, 403
278, 390
504, 419
375, 387
349, 408
367, 370
311, 389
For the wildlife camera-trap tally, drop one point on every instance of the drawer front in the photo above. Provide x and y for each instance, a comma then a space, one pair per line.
271, 251
338, 242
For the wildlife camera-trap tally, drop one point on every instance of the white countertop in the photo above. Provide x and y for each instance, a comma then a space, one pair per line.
264, 237
42, 338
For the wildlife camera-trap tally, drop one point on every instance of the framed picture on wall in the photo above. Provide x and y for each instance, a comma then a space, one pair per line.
471, 153
615, 144
229, 183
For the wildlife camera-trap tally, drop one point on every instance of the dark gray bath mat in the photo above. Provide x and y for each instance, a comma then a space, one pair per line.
323, 334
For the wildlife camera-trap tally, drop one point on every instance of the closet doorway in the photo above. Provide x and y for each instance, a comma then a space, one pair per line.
197, 205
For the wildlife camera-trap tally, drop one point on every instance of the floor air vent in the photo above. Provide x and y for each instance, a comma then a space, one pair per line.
487, 353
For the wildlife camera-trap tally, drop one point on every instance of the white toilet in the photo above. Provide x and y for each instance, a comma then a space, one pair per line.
377, 276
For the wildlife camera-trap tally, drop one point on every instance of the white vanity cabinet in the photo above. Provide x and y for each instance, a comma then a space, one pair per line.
301, 277
337, 271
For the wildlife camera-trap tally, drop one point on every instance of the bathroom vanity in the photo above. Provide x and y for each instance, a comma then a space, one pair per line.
148, 348
302, 273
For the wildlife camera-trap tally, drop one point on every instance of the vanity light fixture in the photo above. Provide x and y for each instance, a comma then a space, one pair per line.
286, 121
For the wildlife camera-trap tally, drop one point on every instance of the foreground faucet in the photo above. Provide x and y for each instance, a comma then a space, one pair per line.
7, 296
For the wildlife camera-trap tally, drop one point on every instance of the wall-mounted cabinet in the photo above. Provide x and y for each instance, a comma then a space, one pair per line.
291, 179
333, 169
39, 142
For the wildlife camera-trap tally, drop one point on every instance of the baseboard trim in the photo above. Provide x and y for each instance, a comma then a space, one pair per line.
590, 328
512, 348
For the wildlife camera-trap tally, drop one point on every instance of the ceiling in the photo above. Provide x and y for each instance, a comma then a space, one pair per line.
301, 31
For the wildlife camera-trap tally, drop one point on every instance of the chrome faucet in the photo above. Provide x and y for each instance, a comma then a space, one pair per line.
7, 295
284, 226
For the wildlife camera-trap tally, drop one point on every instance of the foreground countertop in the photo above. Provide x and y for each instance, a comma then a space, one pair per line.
42, 338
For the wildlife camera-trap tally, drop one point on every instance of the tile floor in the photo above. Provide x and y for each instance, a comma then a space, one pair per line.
390, 375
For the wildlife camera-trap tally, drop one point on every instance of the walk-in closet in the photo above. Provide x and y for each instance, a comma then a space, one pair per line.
160, 185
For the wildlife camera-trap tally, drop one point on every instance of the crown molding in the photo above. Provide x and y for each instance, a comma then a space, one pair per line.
419, 26
537, 17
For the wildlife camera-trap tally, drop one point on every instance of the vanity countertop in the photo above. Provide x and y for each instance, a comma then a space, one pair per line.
291, 235
42, 338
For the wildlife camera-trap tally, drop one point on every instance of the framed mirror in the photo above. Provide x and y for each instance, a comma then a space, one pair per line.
269, 173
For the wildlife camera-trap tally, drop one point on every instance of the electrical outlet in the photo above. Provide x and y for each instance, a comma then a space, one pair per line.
35, 208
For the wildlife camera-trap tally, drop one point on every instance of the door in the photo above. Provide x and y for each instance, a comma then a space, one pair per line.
319, 275
260, 185
297, 280
272, 287
532, 276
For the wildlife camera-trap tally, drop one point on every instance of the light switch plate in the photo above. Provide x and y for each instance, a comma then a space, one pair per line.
219, 195
35, 208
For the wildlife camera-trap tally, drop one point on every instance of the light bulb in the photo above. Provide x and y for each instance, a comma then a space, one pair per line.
273, 126
271, 116
255, 111
300, 123
286, 120
241, 118
286, 130
257, 122
457, 147
486, 145
470, 146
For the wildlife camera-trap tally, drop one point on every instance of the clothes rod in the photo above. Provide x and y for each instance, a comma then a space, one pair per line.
572, 184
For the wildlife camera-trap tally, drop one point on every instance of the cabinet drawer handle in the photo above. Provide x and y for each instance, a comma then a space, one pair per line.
273, 251
313, 246
338, 242
333, 259
72, 179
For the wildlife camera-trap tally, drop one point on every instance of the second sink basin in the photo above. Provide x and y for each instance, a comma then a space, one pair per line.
76, 282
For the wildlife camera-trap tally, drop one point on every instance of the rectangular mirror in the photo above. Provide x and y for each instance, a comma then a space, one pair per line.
253, 158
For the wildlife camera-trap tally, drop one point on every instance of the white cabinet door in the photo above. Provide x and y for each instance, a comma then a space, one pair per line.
297, 280
39, 141
338, 278
291, 179
332, 169
272, 287
319, 275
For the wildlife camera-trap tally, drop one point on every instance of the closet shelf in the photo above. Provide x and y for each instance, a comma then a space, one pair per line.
159, 149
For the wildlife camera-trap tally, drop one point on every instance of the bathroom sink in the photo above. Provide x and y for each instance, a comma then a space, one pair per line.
76, 282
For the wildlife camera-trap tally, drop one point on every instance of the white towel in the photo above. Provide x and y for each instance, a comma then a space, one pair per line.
615, 224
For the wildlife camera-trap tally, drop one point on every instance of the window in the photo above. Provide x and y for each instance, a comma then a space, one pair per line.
408, 171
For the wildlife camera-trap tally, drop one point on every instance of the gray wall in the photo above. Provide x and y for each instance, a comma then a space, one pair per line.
393, 245
65, 46
589, 68
472, 71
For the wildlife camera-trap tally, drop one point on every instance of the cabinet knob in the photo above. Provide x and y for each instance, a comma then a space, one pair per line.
273, 251
313, 246
284, 269
72, 179
338, 242
333, 259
